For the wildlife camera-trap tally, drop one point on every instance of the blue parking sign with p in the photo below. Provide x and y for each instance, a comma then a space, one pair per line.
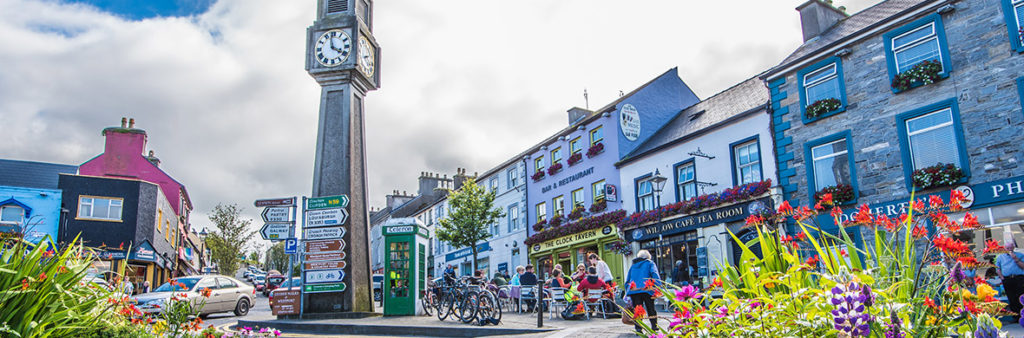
291, 245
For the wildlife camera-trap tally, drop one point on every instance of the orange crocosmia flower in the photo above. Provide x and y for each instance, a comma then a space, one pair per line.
657, 293
836, 212
935, 202
920, 231
48, 254
632, 285
678, 314
801, 237
24, 284
42, 277
648, 284
717, 282
971, 221
639, 312
205, 292
971, 307
785, 208
843, 252
955, 197
754, 220
827, 199
812, 261
818, 206
863, 215
929, 302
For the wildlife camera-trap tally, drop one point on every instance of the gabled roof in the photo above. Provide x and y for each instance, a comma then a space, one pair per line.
27, 174
710, 113
414, 206
849, 28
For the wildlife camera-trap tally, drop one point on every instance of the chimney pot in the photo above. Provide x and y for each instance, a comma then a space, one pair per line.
818, 16
124, 122
131, 123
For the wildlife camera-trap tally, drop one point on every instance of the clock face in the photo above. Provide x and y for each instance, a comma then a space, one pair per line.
333, 48
366, 62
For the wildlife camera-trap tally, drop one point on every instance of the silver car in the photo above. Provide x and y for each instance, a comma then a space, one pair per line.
226, 294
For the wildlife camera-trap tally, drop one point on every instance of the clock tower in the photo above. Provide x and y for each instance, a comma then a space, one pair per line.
342, 55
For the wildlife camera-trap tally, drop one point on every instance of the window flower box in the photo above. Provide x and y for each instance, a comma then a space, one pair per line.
731, 195
554, 168
577, 212
540, 225
537, 176
924, 73
598, 206
575, 158
841, 194
595, 150
556, 221
822, 107
938, 175
583, 224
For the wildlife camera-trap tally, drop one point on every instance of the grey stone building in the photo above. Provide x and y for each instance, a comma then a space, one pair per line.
870, 103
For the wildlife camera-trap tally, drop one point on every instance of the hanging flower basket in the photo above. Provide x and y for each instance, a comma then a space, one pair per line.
938, 175
594, 150
841, 194
554, 168
621, 247
583, 224
556, 221
577, 212
822, 107
924, 73
540, 225
598, 206
731, 195
537, 176
575, 158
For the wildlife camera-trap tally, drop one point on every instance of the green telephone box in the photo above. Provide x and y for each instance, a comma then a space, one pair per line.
405, 249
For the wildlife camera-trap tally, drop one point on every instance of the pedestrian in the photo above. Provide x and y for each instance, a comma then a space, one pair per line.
680, 275
640, 274
528, 279
515, 278
1010, 267
145, 287
603, 271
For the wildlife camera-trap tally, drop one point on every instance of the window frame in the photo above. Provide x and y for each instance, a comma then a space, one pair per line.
582, 201
636, 191
594, 131
905, 150
802, 74
555, 205
593, 192
12, 206
494, 184
538, 163
542, 206
513, 222
513, 177
756, 139
575, 142
92, 209
812, 187
1020, 93
940, 36
1013, 25
675, 177
557, 151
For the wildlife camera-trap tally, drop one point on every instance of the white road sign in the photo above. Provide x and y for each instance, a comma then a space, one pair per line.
324, 233
326, 217
325, 276
275, 231
276, 214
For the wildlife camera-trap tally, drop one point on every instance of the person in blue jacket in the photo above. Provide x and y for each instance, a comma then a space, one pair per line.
643, 270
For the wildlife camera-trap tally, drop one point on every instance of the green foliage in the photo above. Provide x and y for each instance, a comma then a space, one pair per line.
230, 235
276, 259
472, 213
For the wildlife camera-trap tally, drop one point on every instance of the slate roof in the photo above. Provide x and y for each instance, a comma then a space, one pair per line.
414, 206
709, 113
865, 19
25, 174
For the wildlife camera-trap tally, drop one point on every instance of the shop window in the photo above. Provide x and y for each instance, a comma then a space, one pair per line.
597, 189
575, 146
831, 164
542, 211
577, 198
12, 214
746, 161
513, 217
596, 135
558, 206
686, 180
930, 136
513, 177
99, 208
1013, 10
556, 155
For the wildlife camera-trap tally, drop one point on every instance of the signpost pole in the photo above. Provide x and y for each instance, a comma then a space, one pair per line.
302, 261
291, 234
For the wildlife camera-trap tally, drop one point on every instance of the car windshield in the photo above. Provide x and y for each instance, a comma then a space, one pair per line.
378, 278
275, 280
188, 282
260, 278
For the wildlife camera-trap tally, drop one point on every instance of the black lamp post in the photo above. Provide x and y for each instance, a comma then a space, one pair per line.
658, 185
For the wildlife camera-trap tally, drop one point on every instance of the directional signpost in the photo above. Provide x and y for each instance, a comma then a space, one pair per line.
323, 246
330, 245
340, 201
325, 265
330, 287
279, 225
333, 256
324, 276
277, 214
323, 233
275, 231
291, 245
326, 217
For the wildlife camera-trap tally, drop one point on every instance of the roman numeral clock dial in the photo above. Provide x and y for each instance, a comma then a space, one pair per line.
333, 48
366, 57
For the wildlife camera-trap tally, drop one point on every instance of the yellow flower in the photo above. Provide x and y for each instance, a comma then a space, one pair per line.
159, 327
984, 291
931, 320
966, 294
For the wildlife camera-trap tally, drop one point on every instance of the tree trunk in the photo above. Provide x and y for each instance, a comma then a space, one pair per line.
474, 258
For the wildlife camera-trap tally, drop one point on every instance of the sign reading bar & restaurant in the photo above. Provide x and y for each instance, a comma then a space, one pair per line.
735, 212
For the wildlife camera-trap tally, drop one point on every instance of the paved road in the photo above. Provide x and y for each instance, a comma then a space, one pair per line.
260, 309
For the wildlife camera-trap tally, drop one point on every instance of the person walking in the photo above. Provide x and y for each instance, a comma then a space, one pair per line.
680, 275
603, 271
640, 274
1010, 267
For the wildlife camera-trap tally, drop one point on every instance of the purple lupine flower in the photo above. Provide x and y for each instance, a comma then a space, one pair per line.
956, 275
850, 314
894, 329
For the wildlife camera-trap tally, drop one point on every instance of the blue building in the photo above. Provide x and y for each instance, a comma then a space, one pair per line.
871, 103
30, 199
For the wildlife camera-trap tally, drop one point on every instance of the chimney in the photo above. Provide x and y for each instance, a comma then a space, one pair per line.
818, 16
395, 199
152, 158
576, 114
459, 178
121, 148
429, 181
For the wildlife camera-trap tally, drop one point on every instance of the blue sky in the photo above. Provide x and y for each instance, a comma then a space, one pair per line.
144, 9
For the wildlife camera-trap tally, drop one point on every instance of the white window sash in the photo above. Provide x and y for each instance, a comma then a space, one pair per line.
927, 38
910, 135
834, 154
830, 67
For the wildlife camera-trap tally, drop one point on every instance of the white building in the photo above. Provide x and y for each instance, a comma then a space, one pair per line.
724, 141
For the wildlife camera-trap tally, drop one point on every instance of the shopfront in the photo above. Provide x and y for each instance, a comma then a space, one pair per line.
700, 241
573, 249
462, 259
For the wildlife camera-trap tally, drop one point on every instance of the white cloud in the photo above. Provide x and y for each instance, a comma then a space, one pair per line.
232, 113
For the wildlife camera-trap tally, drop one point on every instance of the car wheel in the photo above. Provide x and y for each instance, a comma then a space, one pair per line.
242, 308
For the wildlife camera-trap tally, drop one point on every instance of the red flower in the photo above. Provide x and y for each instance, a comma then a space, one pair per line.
843, 252
826, 199
24, 283
812, 261
836, 212
920, 231
42, 277
639, 312
978, 280
863, 215
47, 253
993, 247
786, 239
649, 284
971, 307
935, 202
717, 282
785, 208
971, 221
929, 303
754, 220
800, 237
632, 285
951, 247
657, 293
955, 198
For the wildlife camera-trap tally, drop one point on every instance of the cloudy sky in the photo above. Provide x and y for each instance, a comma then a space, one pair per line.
221, 90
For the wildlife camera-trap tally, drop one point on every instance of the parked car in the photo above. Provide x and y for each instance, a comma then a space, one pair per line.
273, 281
294, 284
260, 282
378, 287
226, 294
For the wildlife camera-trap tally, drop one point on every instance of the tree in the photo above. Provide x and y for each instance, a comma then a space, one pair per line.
254, 257
230, 235
472, 212
275, 258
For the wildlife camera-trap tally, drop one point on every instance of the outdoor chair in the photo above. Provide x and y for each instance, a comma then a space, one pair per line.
505, 297
595, 299
557, 300
528, 293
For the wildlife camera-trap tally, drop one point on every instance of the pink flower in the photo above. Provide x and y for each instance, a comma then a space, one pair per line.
660, 335
686, 292
722, 312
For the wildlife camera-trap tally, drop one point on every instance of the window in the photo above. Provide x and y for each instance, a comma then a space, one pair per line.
686, 181
822, 81
830, 163
494, 185
645, 195
167, 234
597, 189
556, 155
597, 135
1014, 12
919, 41
538, 163
100, 208
159, 220
577, 198
495, 229
542, 211
932, 135
513, 217
13, 214
746, 160
513, 177
558, 204
575, 146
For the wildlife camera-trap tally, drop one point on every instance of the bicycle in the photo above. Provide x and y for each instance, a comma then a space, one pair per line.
429, 301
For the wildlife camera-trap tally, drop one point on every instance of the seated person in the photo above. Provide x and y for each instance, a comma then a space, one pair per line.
478, 278
557, 281
498, 279
591, 282
528, 279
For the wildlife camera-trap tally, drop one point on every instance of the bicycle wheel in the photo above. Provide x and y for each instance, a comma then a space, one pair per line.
427, 303
494, 311
445, 306
469, 307
456, 305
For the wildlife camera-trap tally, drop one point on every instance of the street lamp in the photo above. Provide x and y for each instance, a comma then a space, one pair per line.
205, 256
658, 184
